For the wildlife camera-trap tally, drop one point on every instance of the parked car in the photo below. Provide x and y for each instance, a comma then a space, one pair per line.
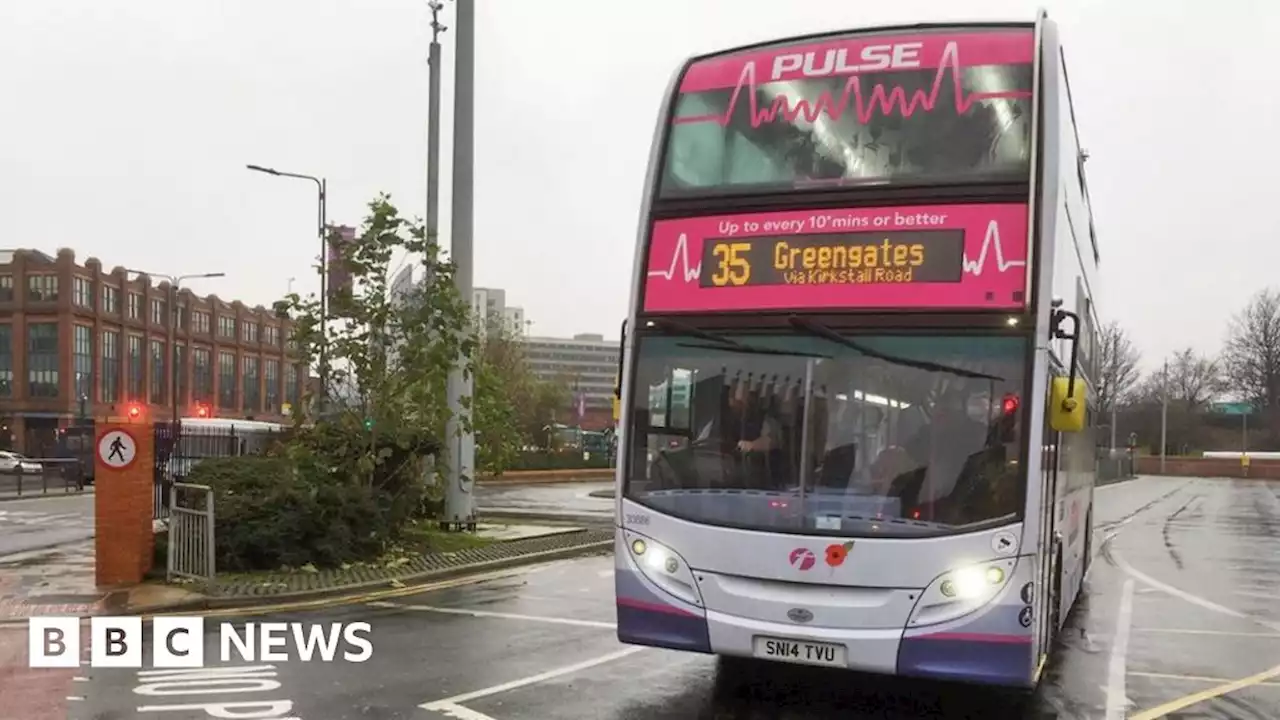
13, 463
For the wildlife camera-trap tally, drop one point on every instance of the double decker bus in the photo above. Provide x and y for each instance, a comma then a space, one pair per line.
855, 427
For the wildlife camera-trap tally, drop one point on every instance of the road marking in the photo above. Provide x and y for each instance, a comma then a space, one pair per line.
459, 712
605, 573
1192, 678
1250, 593
493, 614
1187, 701
1222, 633
1184, 595
451, 703
1117, 699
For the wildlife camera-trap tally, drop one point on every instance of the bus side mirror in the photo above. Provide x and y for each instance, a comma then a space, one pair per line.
1066, 405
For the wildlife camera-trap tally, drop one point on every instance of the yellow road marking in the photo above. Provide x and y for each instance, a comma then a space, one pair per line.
344, 600
1196, 698
1192, 678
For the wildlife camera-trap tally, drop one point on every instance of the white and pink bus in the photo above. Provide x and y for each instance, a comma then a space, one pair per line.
854, 419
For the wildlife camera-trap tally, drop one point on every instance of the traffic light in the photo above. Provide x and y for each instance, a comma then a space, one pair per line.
368, 423
134, 411
202, 411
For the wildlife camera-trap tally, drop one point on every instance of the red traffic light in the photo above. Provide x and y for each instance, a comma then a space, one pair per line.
134, 411
202, 411
1010, 404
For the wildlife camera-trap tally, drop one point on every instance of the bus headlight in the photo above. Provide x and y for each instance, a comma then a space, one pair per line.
961, 591
664, 567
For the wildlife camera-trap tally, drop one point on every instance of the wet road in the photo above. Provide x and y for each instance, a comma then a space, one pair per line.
36, 523
1180, 602
568, 501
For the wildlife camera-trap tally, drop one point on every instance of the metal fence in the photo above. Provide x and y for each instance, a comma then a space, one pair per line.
1115, 466
191, 539
179, 448
38, 476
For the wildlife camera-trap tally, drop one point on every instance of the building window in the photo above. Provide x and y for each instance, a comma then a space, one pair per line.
182, 316
42, 288
226, 326
6, 361
135, 306
250, 331
252, 393
110, 366
202, 376
159, 308
82, 362
227, 381
42, 360
82, 292
110, 299
291, 387
158, 378
6, 288
136, 367
273, 385
271, 335
200, 322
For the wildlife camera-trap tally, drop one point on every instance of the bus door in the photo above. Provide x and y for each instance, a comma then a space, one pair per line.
1046, 588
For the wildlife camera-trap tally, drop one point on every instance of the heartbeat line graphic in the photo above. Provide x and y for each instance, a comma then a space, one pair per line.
989, 241
680, 259
680, 266
865, 106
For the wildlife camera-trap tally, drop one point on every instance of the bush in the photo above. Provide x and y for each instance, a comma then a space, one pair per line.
273, 513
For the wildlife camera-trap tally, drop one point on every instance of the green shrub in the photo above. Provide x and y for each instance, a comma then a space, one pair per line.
272, 512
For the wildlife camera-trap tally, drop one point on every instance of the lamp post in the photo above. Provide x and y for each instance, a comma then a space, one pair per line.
174, 282
321, 187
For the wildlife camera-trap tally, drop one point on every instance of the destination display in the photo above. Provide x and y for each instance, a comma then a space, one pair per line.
938, 256
834, 259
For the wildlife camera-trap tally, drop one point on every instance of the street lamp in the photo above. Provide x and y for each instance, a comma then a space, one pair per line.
321, 186
174, 282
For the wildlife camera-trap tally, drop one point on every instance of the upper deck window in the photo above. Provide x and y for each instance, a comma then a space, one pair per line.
934, 107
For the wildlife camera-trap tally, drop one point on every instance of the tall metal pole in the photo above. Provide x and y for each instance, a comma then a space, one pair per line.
1164, 415
1113, 424
433, 128
461, 454
173, 351
324, 297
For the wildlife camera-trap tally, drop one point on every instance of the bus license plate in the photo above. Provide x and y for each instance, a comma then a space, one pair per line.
800, 651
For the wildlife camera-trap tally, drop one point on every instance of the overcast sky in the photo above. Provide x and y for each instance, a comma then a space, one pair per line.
127, 125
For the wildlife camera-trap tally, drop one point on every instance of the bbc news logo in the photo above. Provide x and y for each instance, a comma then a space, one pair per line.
179, 642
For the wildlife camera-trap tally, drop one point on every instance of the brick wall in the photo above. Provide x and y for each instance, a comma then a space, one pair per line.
1209, 467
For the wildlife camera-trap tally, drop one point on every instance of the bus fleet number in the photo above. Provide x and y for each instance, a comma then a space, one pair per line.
632, 519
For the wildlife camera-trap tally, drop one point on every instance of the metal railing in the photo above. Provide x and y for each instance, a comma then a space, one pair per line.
191, 540
65, 473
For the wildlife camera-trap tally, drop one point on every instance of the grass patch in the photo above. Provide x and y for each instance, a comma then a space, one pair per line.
429, 538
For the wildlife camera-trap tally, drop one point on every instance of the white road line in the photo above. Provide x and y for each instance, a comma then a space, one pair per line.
1250, 593
1219, 633
451, 703
1184, 595
1194, 678
492, 614
1117, 699
605, 573
459, 712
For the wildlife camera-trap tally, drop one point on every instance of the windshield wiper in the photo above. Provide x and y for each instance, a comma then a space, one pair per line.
822, 331
675, 326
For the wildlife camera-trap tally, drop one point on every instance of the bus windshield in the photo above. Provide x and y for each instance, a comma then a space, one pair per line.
843, 434
950, 124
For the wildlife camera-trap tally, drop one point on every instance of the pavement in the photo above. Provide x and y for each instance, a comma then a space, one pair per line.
579, 502
1179, 619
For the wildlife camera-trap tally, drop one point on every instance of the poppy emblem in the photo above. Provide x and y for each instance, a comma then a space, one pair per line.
802, 558
836, 553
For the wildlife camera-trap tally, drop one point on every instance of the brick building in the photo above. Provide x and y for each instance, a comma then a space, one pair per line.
78, 342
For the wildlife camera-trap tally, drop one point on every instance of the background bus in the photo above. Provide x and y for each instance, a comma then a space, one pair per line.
853, 399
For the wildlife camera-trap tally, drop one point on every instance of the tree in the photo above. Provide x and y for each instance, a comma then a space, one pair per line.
388, 356
1251, 358
1118, 361
1191, 382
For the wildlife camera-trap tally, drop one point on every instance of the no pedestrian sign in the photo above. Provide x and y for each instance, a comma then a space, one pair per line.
117, 449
